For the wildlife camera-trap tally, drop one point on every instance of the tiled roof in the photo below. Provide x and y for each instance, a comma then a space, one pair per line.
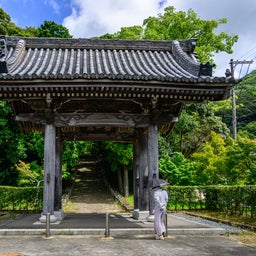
67, 59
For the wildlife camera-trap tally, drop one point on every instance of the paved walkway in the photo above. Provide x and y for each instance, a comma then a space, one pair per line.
95, 224
124, 246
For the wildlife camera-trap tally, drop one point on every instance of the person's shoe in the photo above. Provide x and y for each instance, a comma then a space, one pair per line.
159, 237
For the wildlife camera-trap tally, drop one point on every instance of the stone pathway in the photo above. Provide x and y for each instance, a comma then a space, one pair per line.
89, 194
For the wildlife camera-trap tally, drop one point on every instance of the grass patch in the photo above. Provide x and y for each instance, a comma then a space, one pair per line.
69, 207
245, 238
130, 200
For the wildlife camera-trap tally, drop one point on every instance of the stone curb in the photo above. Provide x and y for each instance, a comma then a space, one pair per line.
113, 232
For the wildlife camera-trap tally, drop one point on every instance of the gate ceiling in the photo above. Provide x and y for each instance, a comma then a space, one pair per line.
103, 89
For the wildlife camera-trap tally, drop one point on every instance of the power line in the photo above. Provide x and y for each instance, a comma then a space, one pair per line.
242, 56
233, 65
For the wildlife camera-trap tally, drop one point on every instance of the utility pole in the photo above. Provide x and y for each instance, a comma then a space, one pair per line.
233, 65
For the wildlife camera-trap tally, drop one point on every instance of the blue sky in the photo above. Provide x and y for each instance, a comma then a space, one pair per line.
88, 18
35, 12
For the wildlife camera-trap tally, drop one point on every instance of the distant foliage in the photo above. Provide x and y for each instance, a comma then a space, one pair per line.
217, 162
7, 27
52, 29
173, 25
11, 146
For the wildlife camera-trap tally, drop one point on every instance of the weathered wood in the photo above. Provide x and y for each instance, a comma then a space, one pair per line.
136, 174
91, 119
152, 160
58, 173
143, 169
49, 168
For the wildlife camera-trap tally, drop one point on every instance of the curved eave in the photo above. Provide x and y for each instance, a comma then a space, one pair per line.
181, 91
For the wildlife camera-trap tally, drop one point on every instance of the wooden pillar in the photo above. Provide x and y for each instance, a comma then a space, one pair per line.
49, 171
136, 176
141, 211
58, 177
152, 161
143, 166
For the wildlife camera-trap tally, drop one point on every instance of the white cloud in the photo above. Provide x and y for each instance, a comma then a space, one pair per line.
94, 18
241, 20
54, 4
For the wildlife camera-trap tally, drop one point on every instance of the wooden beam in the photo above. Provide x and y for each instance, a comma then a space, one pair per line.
96, 119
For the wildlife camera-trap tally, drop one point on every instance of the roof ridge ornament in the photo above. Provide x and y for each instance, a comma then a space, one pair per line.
18, 54
184, 59
3, 53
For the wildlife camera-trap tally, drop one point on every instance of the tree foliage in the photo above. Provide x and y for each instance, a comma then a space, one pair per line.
218, 162
245, 103
177, 169
30, 174
11, 146
194, 128
52, 29
226, 163
172, 25
7, 27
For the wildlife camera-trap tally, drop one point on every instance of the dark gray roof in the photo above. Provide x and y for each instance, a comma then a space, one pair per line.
58, 59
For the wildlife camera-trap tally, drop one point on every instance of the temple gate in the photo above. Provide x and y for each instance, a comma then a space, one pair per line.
91, 89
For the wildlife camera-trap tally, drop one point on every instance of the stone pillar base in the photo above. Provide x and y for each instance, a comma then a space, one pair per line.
53, 218
140, 215
60, 215
151, 218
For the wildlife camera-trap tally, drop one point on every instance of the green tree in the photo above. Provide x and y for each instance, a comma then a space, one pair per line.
184, 25
73, 151
134, 32
172, 25
210, 162
29, 174
227, 162
11, 146
7, 27
194, 128
241, 162
120, 156
250, 128
177, 169
245, 103
52, 29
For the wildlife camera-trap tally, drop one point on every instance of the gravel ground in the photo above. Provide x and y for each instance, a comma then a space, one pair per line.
229, 229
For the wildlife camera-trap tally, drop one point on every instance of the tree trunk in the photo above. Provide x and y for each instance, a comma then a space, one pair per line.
120, 181
126, 182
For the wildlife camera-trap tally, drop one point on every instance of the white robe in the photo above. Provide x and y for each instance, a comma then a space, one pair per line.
160, 198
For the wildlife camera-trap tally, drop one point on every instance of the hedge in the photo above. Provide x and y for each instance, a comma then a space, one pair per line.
239, 200
21, 198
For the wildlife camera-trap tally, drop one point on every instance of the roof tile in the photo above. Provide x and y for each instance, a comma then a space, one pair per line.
49, 58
